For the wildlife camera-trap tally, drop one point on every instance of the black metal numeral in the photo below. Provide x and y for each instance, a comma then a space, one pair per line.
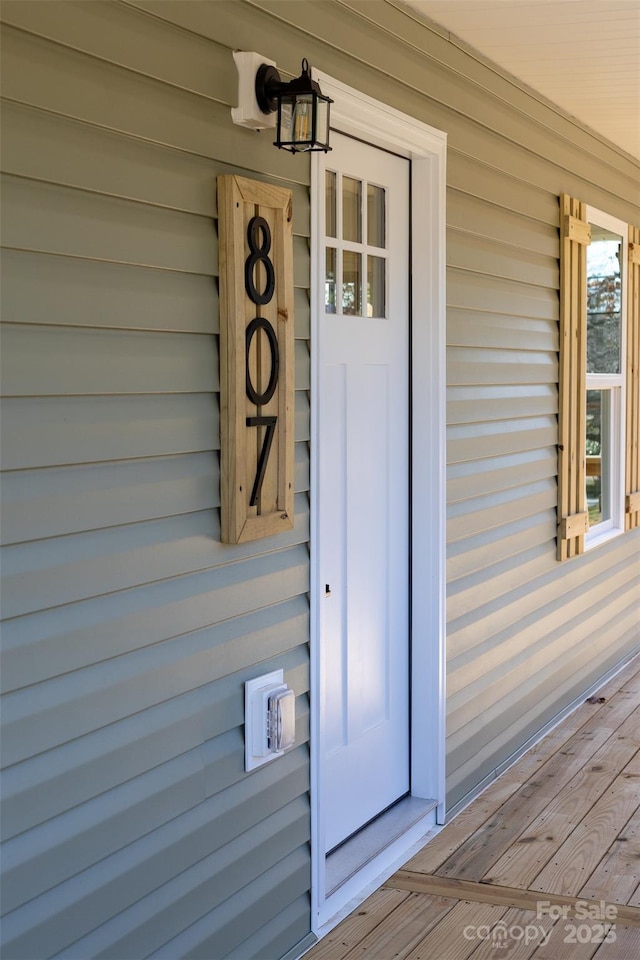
259, 323
259, 254
270, 424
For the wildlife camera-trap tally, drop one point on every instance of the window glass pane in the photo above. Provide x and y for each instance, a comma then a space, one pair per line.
330, 281
598, 473
375, 216
351, 209
330, 203
604, 318
351, 283
376, 306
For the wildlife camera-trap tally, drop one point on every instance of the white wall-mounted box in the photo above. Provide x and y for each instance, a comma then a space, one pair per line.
270, 719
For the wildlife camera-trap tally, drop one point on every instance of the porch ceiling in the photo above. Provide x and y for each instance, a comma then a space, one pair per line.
583, 55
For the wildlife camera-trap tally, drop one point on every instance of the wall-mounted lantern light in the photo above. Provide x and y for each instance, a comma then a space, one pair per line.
301, 109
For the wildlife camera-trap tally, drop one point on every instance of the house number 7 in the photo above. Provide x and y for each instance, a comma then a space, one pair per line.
259, 240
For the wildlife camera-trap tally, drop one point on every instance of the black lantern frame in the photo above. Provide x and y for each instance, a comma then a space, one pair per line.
303, 110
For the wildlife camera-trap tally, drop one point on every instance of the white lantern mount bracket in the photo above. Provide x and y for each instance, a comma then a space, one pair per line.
302, 110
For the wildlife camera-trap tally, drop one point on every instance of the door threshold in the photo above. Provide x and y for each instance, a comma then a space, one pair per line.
359, 850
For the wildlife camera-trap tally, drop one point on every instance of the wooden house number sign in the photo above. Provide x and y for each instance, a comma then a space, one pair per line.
256, 359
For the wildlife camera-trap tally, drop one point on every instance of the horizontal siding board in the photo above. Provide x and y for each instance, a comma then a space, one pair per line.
59, 150
563, 685
82, 903
467, 175
91, 429
59, 501
122, 810
496, 580
614, 639
469, 365
470, 518
40, 216
466, 481
70, 430
54, 572
533, 167
65, 291
85, 293
273, 937
505, 683
522, 612
31, 868
486, 402
149, 923
496, 295
500, 259
476, 553
469, 214
131, 40
64, 500
101, 628
474, 328
107, 824
234, 923
60, 80
478, 441
45, 361
55, 851
38, 789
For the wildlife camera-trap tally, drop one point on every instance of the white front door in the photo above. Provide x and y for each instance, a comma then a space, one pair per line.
363, 509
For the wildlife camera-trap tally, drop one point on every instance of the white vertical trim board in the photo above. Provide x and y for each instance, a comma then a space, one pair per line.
356, 114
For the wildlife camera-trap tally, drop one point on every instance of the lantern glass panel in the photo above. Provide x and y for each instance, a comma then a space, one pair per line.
322, 122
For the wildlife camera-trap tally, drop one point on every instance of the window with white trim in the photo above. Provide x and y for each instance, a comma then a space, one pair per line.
599, 378
605, 376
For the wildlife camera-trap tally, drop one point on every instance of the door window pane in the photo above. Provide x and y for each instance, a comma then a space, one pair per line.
604, 301
351, 283
351, 209
330, 203
330, 281
376, 295
598, 472
375, 216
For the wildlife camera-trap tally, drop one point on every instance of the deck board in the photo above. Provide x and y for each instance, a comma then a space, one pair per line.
557, 832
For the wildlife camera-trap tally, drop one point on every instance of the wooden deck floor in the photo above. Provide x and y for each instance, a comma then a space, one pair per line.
545, 864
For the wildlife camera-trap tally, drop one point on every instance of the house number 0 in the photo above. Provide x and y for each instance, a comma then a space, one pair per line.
259, 240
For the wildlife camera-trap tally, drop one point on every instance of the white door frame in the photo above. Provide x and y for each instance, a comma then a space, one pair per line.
359, 115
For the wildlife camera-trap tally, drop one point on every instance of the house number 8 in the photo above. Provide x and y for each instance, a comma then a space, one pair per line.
260, 254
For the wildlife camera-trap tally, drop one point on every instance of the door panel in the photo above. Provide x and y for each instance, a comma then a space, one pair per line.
364, 487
